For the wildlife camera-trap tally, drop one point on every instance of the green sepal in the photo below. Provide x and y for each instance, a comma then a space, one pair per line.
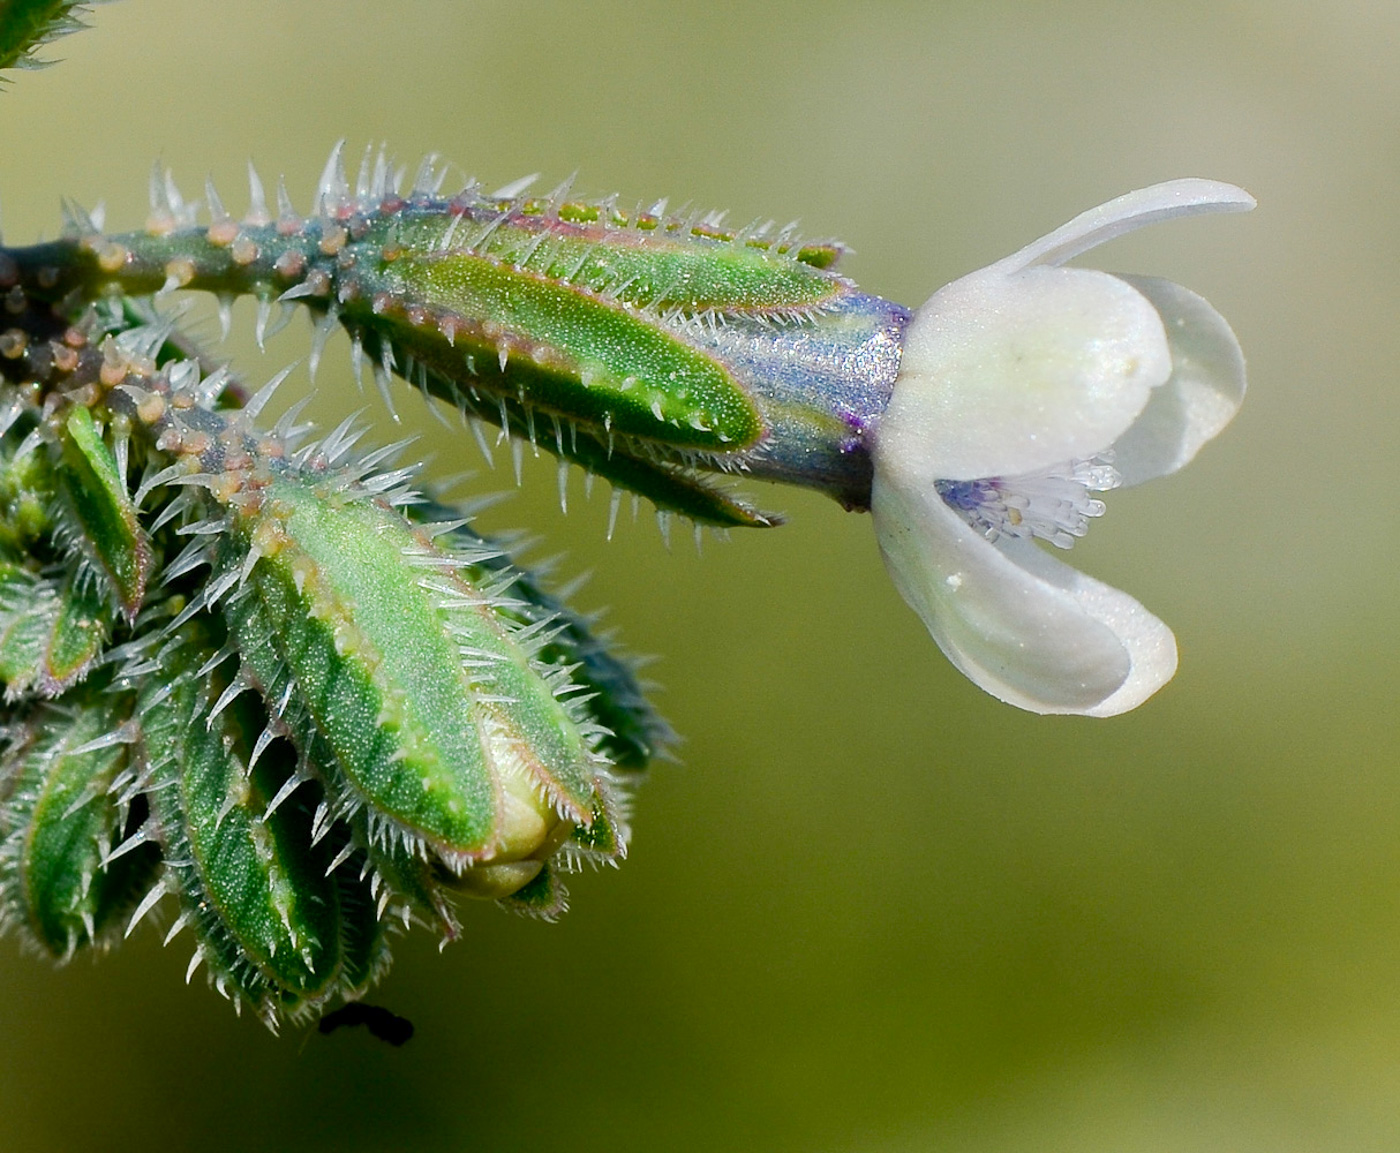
405, 885
364, 944
636, 733
28, 606
581, 355
78, 635
672, 486
603, 836
52, 630
253, 887
111, 531
431, 706
646, 260
389, 877
60, 821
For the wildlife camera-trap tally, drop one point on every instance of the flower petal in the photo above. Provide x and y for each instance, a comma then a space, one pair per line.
1127, 213
1150, 645
1204, 392
1003, 375
1026, 628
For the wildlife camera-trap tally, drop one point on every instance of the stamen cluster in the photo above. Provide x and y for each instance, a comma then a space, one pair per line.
1053, 504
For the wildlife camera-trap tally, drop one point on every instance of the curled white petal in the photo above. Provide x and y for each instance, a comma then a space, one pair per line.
1002, 375
1149, 643
1026, 628
1200, 398
1127, 213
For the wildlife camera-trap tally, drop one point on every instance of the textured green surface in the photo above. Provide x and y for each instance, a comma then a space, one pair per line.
266, 916
428, 703
28, 606
76, 634
660, 269
97, 494
387, 690
415, 889
636, 733
26, 491
53, 611
601, 835
606, 361
51, 629
544, 896
62, 823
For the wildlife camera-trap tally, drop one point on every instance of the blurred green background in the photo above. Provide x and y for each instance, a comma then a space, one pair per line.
874, 909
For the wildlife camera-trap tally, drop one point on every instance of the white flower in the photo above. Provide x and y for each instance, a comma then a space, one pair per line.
1023, 388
